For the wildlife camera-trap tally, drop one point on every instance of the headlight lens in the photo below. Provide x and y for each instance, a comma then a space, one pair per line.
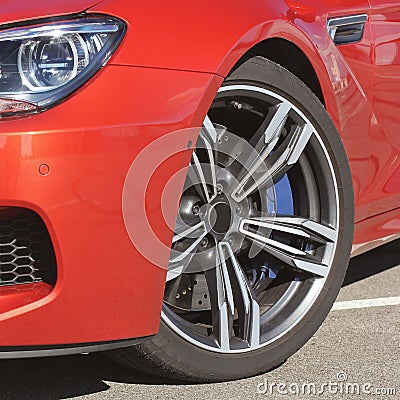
42, 64
52, 62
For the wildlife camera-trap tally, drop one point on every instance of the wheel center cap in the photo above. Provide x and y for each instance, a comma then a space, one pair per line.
218, 217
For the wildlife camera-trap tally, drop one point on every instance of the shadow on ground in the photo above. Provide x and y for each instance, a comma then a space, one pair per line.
71, 376
65, 377
371, 263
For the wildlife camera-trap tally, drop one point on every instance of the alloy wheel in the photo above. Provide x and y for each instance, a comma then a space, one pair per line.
257, 227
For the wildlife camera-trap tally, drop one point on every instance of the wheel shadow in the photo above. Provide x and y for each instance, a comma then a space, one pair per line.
73, 376
373, 262
66, 377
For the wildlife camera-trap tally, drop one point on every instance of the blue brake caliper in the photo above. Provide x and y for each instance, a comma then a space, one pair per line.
282, 204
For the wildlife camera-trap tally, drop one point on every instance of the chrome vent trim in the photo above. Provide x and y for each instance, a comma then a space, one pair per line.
346, 30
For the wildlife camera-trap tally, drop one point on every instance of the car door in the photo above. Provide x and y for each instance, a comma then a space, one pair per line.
385, 124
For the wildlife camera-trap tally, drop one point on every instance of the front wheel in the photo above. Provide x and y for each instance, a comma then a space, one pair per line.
263, 235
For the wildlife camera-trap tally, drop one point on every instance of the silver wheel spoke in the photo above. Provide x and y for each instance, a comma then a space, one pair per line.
206, 171
209, 137
270, 133
174, 272
200, 177
223, 307
302, 227
270, 167
259, 231
209, 127
246, 303
277, 122
180, 259
197, 231
318, 269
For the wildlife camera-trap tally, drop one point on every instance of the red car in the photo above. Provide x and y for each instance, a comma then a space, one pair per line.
181, 181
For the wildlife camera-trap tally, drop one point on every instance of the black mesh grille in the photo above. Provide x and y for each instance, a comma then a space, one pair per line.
26, 252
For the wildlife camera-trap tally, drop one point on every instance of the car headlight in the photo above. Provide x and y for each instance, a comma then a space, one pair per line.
42, 64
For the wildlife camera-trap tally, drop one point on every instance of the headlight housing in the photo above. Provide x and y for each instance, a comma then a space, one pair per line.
42, 64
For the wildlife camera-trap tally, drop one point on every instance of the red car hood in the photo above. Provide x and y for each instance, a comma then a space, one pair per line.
15, 11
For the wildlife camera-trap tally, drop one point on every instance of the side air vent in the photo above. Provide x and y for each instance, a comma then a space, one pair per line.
346, 30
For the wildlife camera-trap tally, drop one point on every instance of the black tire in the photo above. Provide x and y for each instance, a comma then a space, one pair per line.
170, 355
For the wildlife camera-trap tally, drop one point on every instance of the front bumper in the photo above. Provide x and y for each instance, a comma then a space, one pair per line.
105, 289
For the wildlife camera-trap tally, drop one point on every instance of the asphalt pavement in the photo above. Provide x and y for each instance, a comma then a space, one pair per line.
355, 354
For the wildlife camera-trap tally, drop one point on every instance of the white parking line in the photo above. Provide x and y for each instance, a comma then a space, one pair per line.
366, 303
